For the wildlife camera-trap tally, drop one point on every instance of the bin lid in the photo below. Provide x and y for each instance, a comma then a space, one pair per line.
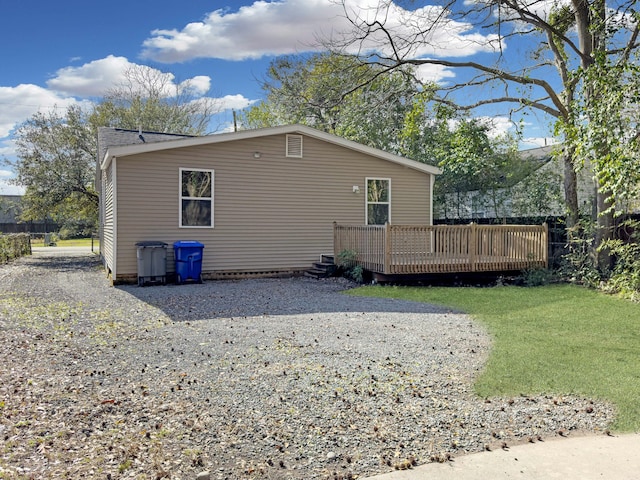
187, 243
151, 244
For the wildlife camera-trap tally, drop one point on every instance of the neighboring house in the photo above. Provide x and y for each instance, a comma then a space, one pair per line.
262, 202
541, 194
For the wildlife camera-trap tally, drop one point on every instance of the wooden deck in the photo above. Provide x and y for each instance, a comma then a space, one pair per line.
425, 249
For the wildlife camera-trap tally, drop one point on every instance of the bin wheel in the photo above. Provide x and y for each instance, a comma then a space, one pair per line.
179, 279
200, 279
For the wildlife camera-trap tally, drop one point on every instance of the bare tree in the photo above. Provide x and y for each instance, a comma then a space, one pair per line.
152, 100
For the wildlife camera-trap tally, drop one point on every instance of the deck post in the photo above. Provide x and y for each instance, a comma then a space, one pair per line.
473, 246
387, 248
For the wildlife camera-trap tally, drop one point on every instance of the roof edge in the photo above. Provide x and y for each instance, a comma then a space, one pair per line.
127, 150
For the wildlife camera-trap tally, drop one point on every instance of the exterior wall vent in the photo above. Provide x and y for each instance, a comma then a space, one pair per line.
294, 146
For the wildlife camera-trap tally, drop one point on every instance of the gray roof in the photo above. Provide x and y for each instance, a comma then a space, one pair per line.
110, 137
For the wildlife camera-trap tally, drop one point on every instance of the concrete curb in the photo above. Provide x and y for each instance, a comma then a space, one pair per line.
578, 458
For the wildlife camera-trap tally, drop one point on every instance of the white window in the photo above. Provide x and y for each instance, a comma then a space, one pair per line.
294, 146
378, 201
196, 197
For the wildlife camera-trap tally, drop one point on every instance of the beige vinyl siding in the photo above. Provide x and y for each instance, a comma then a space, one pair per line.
108, 218
271, 213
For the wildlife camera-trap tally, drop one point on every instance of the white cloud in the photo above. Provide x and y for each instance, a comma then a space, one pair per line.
96, 78
198, 85
289, 26
7, 189
234, 102
7, 148
23, 101
433, 73
257, 30
498, 126
92, 79
424, 32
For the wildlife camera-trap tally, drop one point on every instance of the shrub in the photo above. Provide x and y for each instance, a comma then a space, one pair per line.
625, 278
535, 277
579, 265
347, 261
14, 246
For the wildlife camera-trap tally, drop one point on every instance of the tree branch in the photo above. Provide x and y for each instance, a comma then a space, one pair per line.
497, 73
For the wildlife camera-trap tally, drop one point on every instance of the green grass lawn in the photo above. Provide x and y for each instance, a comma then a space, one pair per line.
73, 242
557, 339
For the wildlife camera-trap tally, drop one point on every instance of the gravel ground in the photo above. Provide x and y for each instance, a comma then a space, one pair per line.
270, 379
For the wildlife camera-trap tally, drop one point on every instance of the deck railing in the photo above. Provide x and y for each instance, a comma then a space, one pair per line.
414, 249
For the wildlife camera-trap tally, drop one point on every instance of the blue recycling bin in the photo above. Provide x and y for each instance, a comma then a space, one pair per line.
188, 256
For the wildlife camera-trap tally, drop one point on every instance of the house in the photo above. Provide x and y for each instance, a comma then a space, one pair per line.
262, 202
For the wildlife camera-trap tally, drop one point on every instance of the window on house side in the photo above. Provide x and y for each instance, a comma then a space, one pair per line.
196, 198
378, 201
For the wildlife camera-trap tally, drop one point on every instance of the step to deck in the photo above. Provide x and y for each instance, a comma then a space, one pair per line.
323, 269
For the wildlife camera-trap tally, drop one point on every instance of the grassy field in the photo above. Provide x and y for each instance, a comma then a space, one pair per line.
74, 242
558, 339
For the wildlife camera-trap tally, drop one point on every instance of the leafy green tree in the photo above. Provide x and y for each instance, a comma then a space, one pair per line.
338, 95
609, 143
537, 193
56, 165
478, 170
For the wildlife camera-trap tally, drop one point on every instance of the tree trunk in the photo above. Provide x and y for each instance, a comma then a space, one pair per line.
570, 189
604, 231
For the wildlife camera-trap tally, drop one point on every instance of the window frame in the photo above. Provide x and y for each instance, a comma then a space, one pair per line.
367, 202
181, 197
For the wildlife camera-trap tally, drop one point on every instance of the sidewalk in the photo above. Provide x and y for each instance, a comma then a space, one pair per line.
580, 458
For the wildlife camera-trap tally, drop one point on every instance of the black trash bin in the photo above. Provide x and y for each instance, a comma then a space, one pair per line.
188, 256
152, 263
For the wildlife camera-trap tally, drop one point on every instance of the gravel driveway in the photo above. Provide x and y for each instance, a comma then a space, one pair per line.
270, 378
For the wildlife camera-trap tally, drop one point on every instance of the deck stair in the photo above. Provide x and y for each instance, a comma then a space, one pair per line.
326, 267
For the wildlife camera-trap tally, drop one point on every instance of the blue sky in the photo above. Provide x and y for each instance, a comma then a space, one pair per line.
55, 54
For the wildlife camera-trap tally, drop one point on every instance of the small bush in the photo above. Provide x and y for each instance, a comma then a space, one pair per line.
14, 246
579, 265
625, 278
536, 277
347, 261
